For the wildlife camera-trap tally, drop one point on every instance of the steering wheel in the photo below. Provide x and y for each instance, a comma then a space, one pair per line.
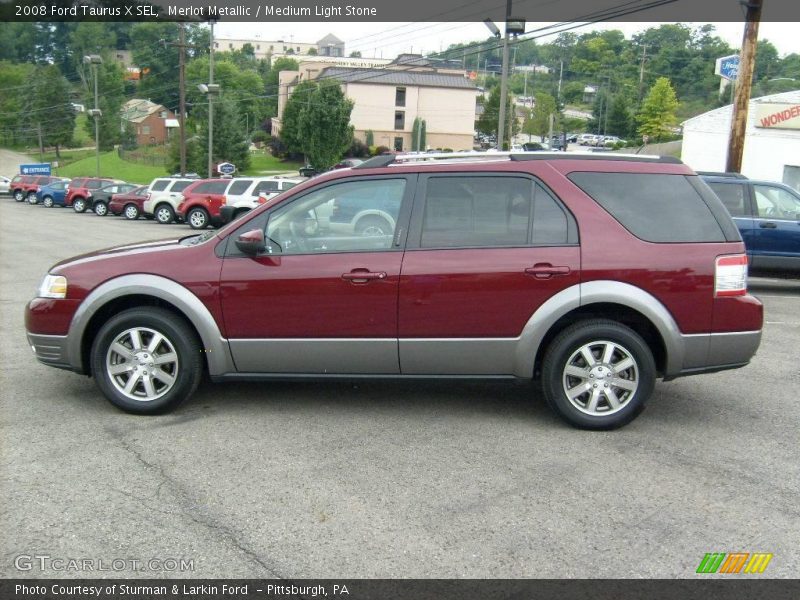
303, 227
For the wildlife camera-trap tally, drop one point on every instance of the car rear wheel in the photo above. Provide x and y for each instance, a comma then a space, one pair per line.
47, 202
19, 196
146, 360
131, 212
598, 374
101, 209
164, 214
79, 205
197, 218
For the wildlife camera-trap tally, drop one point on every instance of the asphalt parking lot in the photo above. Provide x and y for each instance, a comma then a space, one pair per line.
384, 479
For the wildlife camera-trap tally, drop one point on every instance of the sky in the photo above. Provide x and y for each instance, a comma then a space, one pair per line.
387, 40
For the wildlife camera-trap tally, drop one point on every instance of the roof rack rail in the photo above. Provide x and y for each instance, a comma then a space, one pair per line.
729, 174
385, 160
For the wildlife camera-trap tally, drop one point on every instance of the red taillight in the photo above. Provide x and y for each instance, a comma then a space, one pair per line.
730, 275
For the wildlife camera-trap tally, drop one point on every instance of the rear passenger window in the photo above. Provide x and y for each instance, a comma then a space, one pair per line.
653, 207
490, 212
179, 186
159, 185
239, 187
266, 187
732, 196
211, 187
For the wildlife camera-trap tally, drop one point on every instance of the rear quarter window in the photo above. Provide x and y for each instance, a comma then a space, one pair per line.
159, 185
653, 207
181, 185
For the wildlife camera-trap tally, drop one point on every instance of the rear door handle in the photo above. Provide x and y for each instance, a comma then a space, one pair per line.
768, 225
363, 275
546, 270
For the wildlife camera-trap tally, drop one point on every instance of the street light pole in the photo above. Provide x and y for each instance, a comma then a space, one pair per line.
93, 60
211, 103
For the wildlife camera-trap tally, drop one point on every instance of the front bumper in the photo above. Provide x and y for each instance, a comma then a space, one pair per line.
50, 350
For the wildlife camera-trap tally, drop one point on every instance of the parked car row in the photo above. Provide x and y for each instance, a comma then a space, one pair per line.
599, 141
167, 199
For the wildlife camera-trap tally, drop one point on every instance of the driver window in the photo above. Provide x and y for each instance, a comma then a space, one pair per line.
776, 203
344, 217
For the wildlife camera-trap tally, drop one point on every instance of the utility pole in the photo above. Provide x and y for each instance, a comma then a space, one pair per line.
41, 145
93, 60
501, 121
641, 72
182, 95
560, 78
744, 80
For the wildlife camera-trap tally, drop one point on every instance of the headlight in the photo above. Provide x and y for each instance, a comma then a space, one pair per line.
53, 286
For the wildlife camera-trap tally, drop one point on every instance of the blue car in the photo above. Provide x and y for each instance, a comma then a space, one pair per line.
52, 194
768, 217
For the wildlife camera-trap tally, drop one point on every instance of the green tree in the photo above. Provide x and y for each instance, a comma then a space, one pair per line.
290, 120
619, 117
17, 84
325, 125
657, 114
50, 109
488, 121
230, 143
538, 121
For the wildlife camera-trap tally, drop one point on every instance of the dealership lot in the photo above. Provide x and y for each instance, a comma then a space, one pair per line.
386, 479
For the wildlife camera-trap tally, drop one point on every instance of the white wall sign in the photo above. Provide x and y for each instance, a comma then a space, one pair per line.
778, 116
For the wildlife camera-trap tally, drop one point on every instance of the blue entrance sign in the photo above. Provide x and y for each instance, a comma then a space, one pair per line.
37, 169
226, 168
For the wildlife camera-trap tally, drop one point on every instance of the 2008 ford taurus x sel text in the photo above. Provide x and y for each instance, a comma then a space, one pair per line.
592, 274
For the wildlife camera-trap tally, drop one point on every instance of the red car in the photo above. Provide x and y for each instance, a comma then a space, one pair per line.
202, 201
594, 275
80, 190
24, 187
131, 205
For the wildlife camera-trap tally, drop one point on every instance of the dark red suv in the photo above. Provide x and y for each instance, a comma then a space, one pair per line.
24, 187
593, 275
80, 189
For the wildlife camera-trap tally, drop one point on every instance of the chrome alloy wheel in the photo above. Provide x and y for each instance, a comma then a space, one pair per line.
142, 364
600, 378
198, 219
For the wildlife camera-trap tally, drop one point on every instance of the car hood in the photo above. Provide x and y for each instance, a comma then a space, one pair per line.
139, 250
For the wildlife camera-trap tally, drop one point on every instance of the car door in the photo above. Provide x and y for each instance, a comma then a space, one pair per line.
776, 240
485, 251
322, 301
735, 195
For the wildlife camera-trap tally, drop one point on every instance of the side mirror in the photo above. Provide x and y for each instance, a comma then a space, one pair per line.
251, 242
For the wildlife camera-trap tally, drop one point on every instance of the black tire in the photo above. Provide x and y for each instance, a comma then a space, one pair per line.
373, 225
100, 209
164, 214
180, 341
131, 212
79, 205
32, 198
198, 218
18, 195
597, 384
47, 202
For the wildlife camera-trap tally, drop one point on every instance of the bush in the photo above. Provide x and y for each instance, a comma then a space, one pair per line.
261, 137
277, 148
358, 149
382, 150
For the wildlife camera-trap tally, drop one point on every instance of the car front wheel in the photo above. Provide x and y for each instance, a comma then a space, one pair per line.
101, 209
131, 212
598, 374
47, 202
79, 205
197, 218
146, 361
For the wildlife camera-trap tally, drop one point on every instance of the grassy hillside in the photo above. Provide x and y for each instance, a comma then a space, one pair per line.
111, 165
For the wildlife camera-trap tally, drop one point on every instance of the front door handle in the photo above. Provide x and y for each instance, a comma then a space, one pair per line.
767, 225
546, 270
363, 275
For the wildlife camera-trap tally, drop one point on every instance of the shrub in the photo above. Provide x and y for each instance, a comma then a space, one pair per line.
358, 149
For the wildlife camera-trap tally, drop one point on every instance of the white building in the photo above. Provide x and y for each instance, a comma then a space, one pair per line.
330, 45
387, 101
772, 139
